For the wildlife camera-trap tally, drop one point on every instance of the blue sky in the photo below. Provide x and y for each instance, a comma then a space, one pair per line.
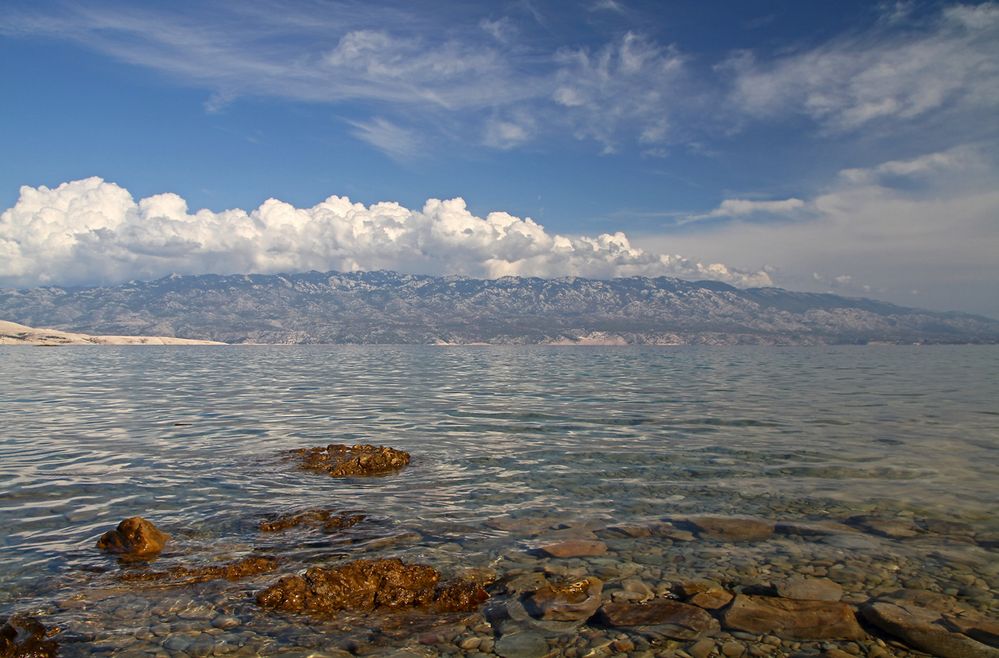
822, 146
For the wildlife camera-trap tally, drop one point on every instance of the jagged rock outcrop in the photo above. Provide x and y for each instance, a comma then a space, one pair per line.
342, 461
134, 537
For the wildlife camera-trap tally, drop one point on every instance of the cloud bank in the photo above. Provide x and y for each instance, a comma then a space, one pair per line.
93, 232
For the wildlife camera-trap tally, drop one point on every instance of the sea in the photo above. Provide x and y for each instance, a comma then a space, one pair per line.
876, 467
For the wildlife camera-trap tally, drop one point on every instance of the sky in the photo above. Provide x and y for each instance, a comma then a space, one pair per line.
839, 146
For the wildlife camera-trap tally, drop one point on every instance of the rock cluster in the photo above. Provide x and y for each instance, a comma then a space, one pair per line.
329, 520
368, 585
339, 460
135, 536
25, 637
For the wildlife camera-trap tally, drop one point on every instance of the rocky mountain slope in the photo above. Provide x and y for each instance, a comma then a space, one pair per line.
386, 307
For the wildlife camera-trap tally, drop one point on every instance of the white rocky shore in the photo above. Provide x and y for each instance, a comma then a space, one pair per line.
12, 333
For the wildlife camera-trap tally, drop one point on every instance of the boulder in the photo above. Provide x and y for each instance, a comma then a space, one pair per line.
329, 520
671, 618
575, 601
182, 575
575, 548
792, 619
135, 536
732, 528
25, 637
338, 460
368, 585
930, 630
810, 589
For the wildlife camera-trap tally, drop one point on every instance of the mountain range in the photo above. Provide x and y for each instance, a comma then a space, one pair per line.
388, 307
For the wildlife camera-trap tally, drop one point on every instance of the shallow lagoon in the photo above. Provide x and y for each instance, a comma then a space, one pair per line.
567, 441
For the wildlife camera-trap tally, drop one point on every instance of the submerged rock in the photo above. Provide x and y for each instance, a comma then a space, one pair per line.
250, 566
793, 619
369, 584
135, 536
945, 634
575, 548
575, 601
25, 637
810, 589
329, 520
679, 621
704, 593
338, 460
893, 528
731, 528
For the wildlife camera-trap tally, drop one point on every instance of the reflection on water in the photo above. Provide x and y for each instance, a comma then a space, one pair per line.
191, 437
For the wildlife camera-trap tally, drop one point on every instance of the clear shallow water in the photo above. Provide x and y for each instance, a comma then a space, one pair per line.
192, 439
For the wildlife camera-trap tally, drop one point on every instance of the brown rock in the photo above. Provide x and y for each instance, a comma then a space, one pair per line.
732, 529
925, 629
670, 618
634, 531
134, 536
25, 637
793, 619
571, 602
369, 584
575, 548
810, 589
701, 648
338, 460
329, 520
712, 600
250, 566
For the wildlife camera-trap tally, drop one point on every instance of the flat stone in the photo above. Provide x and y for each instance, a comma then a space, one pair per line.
634, 531
925, 629
673, 619
134, 536
895, 528
185, 575
711, 600
811, 589
732, 529
702, 648
575, 548
329, 520
793, 619
575, 601
521, 645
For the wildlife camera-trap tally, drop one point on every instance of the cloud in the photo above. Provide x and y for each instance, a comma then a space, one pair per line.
881, 75
393, 140
629, 82
926, 223
746, 207
93, 232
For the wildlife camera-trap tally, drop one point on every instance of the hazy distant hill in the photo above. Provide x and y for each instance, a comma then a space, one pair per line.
386, 307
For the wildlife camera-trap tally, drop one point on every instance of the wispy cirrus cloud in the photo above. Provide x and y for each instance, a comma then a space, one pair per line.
880, 74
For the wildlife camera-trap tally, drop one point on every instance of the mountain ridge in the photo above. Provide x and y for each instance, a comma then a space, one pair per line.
389, 307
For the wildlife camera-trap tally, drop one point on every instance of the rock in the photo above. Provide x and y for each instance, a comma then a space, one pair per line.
670, 618
338, 460
370, 584
521, 525
811, 589
26, 637
575, 548
711, 600
329, 520
572, 602
895, 528
731, 528
521, 645
925, 629
250, 566
634, 531
134, 536
733, 649
702, 648
792, 619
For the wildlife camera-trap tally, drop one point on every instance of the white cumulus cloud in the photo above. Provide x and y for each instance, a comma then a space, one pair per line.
93, 232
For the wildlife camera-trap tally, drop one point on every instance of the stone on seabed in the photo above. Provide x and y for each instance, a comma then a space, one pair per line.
134, 536
25, 637
793, 619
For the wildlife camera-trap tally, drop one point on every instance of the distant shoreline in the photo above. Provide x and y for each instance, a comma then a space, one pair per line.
12, 333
